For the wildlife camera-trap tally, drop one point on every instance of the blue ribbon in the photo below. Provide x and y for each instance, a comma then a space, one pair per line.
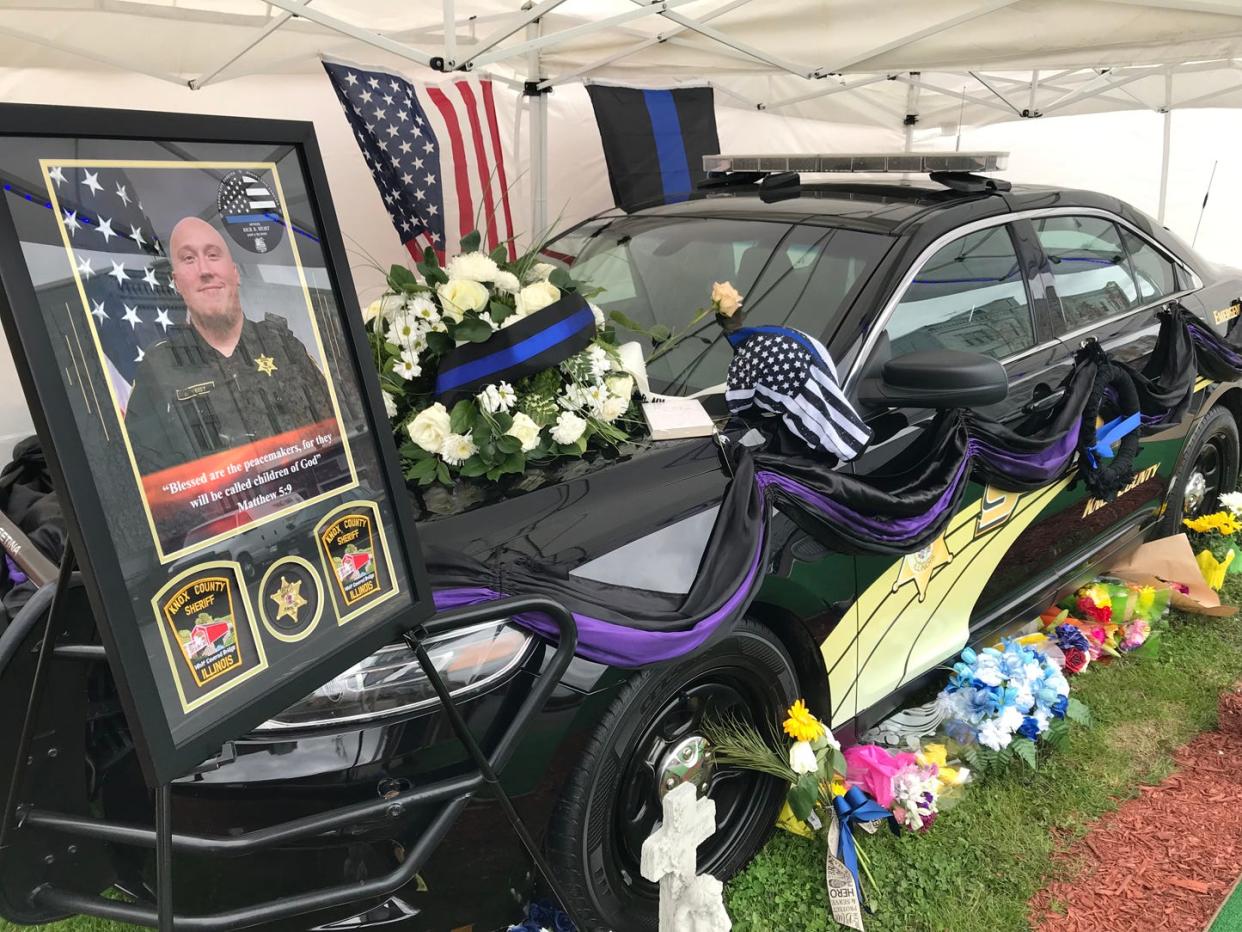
1111, 433
738, 337
510, 356
856, 806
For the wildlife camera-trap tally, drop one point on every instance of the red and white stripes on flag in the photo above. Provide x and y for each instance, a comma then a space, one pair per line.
435, 153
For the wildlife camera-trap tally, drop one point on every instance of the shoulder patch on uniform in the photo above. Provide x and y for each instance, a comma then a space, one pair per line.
276, 320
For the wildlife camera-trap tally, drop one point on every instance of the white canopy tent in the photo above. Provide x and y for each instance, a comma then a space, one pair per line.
799, 75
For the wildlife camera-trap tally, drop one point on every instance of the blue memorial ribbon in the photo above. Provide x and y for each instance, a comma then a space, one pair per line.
857, 807
1111, 433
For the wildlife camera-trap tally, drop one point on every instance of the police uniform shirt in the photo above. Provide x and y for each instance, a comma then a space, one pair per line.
189, 400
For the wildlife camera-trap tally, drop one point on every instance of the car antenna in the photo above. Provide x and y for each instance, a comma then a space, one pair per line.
1203, 206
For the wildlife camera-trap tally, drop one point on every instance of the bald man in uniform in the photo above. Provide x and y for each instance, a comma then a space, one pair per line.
220, 380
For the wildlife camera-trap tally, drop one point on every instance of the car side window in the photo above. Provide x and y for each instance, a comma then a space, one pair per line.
1090, 267
1156, 275
970, 295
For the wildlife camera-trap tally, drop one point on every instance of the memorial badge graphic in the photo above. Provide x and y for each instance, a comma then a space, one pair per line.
250, 212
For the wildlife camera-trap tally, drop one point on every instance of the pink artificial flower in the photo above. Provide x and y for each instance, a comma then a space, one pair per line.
1135, 634
872, 767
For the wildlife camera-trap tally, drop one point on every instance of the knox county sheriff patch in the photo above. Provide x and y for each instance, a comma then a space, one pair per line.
355, 558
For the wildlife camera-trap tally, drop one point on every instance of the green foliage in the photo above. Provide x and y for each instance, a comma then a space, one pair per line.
977, 867
803, 794
470, 242
401, 279
473, 330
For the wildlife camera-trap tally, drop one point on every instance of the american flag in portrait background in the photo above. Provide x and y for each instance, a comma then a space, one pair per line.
121, 264
435, 154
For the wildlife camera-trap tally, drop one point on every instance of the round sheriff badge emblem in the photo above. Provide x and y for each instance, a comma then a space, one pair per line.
250, 211
290, 599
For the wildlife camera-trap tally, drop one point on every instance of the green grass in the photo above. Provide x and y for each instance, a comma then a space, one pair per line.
982, 860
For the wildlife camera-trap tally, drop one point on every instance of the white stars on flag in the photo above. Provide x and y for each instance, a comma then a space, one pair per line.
92, 181
98, 312
131, 317
105, 229
71, 222
84, 267
56, 175
118, 272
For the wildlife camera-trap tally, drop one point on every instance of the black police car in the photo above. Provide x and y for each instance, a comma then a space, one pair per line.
876, 269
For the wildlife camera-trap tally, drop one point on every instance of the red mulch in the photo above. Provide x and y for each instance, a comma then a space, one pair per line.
1165, 860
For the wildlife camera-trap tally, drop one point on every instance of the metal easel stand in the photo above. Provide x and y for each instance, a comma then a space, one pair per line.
452, 794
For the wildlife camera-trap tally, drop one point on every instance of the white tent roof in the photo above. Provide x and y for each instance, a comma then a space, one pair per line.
838, 60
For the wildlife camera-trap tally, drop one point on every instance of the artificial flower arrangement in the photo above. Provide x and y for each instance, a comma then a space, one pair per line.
1000, 701
916, 785
1214, 537
583, 402
1105, 618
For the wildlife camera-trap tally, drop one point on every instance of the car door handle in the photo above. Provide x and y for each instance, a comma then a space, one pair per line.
1044, 402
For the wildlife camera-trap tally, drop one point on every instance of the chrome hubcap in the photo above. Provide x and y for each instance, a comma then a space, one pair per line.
689, 761
1196, 493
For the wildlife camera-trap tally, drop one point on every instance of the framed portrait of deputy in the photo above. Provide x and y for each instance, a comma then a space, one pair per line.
178, 303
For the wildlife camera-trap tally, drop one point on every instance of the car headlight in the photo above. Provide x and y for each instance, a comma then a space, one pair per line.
391, 681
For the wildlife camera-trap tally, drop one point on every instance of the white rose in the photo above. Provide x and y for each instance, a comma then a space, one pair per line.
568, 428
526, 430
472, 266
632, 362
430, 427
383, 307
459, 295
612, 408
390, 405
535, 297
621, 385
457, 449
540, 271
597, 312
802, 758
507, 281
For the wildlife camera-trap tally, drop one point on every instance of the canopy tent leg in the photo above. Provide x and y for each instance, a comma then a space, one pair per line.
912, 109
538, 140
1167, 116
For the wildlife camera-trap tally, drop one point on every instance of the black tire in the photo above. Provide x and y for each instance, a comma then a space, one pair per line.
1214, 436
596, 831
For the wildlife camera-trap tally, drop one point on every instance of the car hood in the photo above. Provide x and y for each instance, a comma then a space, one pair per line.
563, 515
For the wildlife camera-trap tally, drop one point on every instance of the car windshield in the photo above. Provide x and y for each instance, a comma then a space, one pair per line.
660, 270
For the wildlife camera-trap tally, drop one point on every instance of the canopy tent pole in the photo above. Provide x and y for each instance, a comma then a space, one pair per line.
538, 136
1164, 153
365, 36
912, 110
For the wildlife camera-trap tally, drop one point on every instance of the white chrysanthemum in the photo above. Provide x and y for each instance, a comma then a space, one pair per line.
402, 330
459, 295
390, 405
595, 395
497, 397
575, 398
457, 449
472, 266
568, 428
407, 367
1231, 502
540, 271
419, 343
383, 308
526, 430
429, 427
507, 281
535, 297
597, 312
612, 408
598, 357
421, 307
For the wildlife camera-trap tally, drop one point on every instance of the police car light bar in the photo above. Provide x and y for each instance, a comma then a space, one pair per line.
877, 162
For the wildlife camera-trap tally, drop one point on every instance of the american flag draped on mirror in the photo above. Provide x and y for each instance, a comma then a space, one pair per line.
435, 154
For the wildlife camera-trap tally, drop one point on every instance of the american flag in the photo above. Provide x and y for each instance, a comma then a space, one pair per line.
121, 264
787, 372
435, 154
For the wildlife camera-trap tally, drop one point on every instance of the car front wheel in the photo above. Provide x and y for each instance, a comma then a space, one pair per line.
651, 740
1208, 467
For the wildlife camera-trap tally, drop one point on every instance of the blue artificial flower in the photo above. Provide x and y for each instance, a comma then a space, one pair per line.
969, 656
1029, 728
1069, 637
543, 915
1058, 708
983, 702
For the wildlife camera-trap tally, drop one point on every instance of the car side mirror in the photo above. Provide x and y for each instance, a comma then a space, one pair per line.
936, 379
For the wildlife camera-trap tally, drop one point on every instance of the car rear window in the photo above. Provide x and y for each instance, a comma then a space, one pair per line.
659, 270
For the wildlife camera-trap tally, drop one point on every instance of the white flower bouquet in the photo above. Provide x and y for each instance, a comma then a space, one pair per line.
581, 402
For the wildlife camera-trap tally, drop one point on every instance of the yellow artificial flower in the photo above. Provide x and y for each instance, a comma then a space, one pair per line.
932, 754
1221, 522
1098, 595
838, 786
792, 824
801, 724
1146, 598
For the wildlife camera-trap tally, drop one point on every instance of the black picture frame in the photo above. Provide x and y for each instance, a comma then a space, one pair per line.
163, 758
